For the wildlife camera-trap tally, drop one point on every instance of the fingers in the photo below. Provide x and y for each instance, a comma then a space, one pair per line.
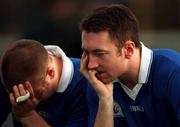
83, 62
83, 55
21, 89
23, 98
93, 79
21, 92
16, 91
12, 99
89, 74
29, 88
102, 90
92, 76
83, 66
33, 97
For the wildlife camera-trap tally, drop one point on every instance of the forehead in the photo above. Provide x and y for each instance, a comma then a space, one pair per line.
100, 40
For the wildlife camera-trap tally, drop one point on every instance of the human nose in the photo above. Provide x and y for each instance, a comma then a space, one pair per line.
92, 62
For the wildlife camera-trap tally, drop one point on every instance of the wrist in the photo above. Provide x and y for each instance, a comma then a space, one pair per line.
106, 97
106, 100
25, 117
106, 107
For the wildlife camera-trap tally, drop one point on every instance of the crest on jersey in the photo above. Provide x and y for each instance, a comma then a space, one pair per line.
117, 110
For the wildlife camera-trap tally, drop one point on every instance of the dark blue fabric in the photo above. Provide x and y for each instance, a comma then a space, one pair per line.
66, 109
158, 101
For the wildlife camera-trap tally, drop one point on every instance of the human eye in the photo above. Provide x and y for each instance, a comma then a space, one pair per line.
100, 54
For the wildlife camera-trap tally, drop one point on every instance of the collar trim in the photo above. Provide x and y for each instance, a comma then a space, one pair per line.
145, 67
67, 68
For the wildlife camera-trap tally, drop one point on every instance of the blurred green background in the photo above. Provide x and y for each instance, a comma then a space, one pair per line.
56, 21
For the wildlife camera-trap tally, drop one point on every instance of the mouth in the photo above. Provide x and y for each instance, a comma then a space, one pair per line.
101, 76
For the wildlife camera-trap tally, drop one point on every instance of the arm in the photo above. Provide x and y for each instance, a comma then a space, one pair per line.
33, 120
77, 105
25, 111
104, 116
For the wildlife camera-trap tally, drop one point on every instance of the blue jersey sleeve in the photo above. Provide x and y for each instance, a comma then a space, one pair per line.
78, 116
174, 92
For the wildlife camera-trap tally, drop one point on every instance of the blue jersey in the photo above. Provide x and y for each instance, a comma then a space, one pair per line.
63, 109
157, 103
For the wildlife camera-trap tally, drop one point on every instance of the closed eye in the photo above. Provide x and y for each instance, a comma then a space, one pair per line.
99, 53
96, 52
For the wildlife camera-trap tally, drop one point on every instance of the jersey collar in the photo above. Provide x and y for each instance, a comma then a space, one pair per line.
67, 68
145, 67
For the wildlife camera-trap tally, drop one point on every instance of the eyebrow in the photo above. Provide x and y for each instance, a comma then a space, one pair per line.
96, 50
100, 50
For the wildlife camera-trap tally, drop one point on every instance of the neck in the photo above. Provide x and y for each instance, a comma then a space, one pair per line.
129, 84
130, 79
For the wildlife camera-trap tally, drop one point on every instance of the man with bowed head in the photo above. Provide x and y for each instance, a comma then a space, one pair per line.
131, 85
56, 87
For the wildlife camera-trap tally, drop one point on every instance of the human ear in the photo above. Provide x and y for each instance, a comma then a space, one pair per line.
50, 72
129, 47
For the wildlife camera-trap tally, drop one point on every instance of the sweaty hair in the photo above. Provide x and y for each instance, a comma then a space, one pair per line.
23, 60
117, 20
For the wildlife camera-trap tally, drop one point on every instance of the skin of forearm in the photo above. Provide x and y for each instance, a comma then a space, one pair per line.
104, 116
33, 120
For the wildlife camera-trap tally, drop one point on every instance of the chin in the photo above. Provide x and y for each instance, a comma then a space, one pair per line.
104, 78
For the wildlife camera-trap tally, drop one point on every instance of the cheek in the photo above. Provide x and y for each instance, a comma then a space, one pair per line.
110, 66
113, 70
39, 89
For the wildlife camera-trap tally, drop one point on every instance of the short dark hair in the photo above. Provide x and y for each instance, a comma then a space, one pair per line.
118, 20
23, 60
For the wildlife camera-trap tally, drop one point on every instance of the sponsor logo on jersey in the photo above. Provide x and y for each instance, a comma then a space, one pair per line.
136, 108
117, 110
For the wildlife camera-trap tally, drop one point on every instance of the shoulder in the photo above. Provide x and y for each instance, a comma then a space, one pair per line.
75, 61
166, 59
165, 66
77, 76
167, 55
78, 80
165, 69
